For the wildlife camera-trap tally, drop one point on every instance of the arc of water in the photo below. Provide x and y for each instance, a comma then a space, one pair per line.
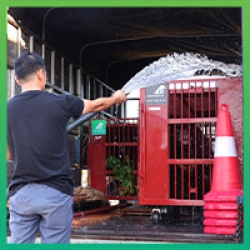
176, 66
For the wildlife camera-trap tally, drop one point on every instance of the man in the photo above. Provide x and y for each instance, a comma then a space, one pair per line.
41, 187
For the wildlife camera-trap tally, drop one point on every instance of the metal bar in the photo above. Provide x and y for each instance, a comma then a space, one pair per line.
94, 88
184, 202
31, 43
176, 182
19, 37
195, 101
197, 120
71, 80
78, 82
52, 69
12, 83
189, 156
83, 92
43, 51
57, 88
203, 140
182, 101
202, 105
120, 143
62, 73
182, 183
98, 80
190, 161
88, 87
101, 90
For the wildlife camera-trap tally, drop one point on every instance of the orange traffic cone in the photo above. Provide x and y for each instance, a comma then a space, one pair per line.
220, 208
226, 171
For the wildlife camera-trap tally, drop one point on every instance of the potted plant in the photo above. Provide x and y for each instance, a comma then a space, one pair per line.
123, 173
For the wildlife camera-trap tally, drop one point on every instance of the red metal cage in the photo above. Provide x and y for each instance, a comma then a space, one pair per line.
171, 144
120, 141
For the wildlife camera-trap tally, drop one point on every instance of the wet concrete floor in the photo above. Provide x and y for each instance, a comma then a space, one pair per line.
119, 225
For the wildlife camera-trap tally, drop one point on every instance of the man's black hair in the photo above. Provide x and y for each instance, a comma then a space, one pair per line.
28, 64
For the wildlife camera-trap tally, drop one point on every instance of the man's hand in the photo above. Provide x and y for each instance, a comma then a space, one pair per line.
120, 97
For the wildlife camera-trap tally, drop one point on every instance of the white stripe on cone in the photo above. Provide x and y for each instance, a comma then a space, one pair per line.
225, 146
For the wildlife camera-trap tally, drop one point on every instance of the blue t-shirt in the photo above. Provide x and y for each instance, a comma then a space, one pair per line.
37, 139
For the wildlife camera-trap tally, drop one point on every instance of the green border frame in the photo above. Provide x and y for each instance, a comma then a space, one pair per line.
244, 4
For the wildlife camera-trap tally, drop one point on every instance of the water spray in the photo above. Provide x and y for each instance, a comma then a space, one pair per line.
169, 68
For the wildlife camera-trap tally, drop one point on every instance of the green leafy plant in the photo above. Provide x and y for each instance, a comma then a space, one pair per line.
123, 173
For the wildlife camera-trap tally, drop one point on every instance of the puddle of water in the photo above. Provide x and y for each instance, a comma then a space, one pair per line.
92, 219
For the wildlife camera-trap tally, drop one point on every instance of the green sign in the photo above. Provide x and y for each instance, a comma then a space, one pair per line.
98, 127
